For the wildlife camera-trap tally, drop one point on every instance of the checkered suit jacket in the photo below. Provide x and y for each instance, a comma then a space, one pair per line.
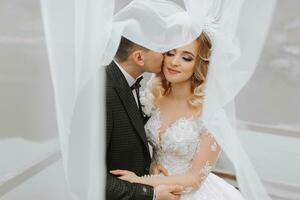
126, 143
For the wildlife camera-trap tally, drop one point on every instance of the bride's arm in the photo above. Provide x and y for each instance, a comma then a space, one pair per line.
203, 162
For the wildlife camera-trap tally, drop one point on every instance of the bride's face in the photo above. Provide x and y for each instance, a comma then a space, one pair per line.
179, 63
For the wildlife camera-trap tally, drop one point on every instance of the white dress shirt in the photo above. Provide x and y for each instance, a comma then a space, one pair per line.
130, 80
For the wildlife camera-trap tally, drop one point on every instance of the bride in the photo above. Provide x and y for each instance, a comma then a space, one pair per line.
182, 147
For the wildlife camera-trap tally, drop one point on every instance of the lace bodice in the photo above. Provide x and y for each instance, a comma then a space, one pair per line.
188, 151
175, 148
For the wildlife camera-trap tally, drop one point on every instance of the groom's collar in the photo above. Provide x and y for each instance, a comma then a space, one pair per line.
130, 80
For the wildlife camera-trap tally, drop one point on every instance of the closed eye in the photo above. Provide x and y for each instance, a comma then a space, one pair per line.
170, 53
188, 59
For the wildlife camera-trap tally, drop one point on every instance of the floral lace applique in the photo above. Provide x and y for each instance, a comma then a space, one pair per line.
176, 147
213, 147
206, 170
146, 98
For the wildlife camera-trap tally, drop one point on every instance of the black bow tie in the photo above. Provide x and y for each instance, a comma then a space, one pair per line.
137, 84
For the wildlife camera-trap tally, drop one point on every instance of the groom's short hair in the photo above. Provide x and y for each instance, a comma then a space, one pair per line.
126, 47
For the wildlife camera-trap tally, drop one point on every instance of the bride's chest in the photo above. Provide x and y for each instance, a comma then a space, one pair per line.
180, 137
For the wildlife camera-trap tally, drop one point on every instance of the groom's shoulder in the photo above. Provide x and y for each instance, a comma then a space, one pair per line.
110, 82
109, 72
111, 68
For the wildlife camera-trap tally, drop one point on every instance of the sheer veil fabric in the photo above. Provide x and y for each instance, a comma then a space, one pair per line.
83, 36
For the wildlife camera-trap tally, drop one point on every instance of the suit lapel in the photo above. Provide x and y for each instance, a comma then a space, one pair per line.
125, 94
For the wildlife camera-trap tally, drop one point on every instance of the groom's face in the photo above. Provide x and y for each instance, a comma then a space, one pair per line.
153, 61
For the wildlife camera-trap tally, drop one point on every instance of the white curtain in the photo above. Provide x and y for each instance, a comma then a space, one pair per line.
76, 34
81, 37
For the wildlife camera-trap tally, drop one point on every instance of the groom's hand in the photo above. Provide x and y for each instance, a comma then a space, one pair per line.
168, 192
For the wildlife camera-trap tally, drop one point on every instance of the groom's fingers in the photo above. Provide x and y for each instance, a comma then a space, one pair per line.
175, 189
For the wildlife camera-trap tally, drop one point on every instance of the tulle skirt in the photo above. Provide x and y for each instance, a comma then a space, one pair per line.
214, 188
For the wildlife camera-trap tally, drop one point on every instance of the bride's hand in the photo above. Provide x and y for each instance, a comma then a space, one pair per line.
158, 169
125, 175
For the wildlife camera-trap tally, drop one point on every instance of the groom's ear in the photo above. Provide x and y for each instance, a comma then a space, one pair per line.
138, 57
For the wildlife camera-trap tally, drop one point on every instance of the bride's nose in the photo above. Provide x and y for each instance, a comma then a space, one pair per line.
175, 60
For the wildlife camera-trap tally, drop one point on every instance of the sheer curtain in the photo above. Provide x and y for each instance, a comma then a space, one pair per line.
76, 34
81, 37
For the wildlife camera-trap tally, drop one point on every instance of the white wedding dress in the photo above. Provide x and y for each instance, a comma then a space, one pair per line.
175, 149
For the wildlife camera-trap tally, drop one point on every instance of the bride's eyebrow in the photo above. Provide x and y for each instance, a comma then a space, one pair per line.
187, 52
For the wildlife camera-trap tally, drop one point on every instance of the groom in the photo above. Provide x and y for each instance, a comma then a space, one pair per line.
126, 143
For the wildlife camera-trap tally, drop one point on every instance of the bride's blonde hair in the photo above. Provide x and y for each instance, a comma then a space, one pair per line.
161, 87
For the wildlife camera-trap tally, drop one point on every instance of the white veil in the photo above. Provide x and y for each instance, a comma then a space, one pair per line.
159, 25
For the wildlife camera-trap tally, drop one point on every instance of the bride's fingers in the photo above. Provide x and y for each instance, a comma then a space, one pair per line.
163, 170
120, 172
154, 171
122, 178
